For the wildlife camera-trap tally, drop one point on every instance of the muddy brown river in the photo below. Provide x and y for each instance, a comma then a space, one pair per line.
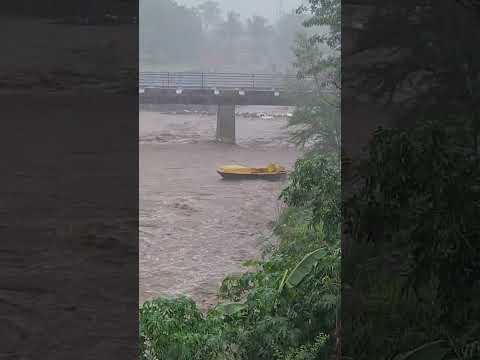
196, 228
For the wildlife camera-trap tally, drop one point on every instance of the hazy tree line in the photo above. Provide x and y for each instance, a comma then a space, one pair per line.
207, 38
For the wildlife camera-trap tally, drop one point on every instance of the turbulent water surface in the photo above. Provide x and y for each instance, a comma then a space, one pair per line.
196, 228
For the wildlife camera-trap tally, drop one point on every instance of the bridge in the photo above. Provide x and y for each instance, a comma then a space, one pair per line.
223, 89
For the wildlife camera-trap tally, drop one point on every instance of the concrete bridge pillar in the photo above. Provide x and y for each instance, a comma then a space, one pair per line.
226, 124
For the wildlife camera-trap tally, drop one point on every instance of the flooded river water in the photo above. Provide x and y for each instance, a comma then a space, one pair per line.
196, 228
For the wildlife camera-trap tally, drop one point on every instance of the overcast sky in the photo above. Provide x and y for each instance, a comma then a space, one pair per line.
247, 8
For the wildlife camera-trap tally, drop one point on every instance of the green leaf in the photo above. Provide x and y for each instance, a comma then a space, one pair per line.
282, 283
436, 350
304, 267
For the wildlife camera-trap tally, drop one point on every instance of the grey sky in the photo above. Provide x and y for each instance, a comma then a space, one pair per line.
267, 8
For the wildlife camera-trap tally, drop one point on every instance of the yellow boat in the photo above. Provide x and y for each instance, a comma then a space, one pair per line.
272, 172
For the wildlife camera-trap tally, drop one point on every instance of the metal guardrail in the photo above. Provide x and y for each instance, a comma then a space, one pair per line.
185, 80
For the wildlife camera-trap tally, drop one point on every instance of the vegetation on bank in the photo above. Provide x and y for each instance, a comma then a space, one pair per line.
409, 268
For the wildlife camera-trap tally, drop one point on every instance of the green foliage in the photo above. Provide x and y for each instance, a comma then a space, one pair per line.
310, 58
316, 127
287, 320
303, 268
177, 330
316, 123
307, 352
325, 13
291, 301
412, 266
420, 181
315, 183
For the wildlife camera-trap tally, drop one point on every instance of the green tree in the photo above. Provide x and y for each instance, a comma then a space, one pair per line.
325, 13
316, 123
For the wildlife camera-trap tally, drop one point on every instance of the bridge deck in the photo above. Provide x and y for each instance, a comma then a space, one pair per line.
224, 97
232, 81
222, 88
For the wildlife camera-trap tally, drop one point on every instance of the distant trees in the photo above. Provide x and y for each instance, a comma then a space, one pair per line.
228, 33
169, 33
261, 35
232, 26
211, 14
286, 30
204, 38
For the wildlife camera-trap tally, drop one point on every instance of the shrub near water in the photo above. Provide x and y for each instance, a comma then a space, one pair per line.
177, 329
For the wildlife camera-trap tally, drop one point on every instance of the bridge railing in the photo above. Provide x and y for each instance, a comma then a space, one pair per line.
186, 80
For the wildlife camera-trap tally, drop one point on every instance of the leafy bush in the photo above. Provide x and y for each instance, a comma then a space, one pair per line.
315, 184
412, 259
176, 329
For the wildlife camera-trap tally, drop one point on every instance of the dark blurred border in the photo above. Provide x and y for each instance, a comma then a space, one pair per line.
410, 175
69, 183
